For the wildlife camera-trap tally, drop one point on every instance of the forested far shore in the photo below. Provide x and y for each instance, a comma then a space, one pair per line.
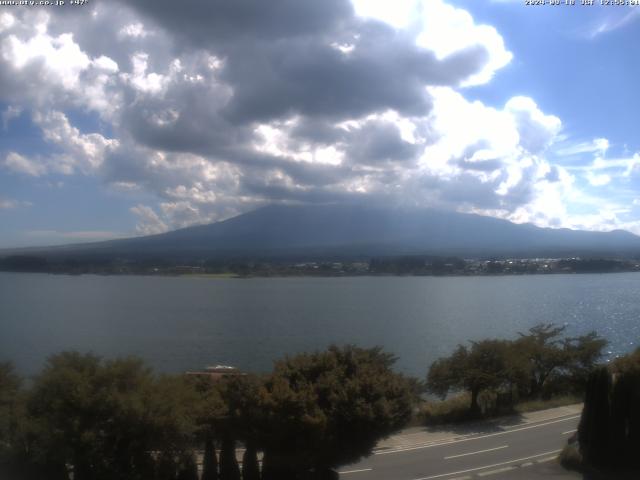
243, 267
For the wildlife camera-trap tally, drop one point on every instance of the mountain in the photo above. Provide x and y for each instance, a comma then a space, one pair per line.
319, 232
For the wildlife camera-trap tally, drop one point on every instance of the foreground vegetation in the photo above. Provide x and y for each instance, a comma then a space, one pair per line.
116, 419
498, 374
609, 430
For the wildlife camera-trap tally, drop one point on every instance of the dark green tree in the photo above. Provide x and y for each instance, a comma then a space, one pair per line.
486, 365
229, 469
210, 460
187, 468
104, 418
609, 430
209, 412
9, 406
240, 421
330, 408
167, 467
542, 347
553, 358
250, 466
583, 353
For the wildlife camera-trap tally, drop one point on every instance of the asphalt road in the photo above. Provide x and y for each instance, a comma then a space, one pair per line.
520, 451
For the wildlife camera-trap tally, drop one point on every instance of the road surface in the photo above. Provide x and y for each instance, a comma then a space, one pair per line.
492, 451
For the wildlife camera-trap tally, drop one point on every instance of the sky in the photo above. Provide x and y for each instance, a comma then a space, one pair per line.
132, 118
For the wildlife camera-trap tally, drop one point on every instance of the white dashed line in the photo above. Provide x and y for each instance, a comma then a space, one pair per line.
356, 471
495, 472
548, 459
475, 453
468, 439
488, 466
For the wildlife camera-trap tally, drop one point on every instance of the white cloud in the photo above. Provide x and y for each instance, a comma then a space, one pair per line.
216, 121
149, 221
597, 145
441, 28
613, 22
11, 112
598, 180
61, 57
80, 236
83, 152
21, 164
136, 30
10, 204
537, 131
142, 81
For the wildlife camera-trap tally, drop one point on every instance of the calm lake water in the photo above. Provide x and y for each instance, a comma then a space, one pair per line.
180, 323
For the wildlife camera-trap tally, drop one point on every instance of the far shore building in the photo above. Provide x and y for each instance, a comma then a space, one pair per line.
217, 372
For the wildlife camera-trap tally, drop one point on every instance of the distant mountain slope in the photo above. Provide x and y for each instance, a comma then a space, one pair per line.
341, 231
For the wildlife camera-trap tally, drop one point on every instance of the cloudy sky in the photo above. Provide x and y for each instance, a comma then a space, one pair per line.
127, 118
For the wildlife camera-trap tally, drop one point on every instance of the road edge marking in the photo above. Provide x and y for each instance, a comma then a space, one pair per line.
488, 466
468, 439
355, 471
475, 453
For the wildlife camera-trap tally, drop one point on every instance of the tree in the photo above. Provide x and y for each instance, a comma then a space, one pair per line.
609, 430
229, 469
542, 349
187, 468
14, 427
210, 461
583, 354
105, 417
9, 392
250, 467
167, 467
548, 356
484, 366
330, 408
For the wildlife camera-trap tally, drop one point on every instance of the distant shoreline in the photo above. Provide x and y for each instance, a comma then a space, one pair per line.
234, 276
405, 265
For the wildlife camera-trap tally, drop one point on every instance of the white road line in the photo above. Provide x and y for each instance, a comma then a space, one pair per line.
475, 453
488, 466
458, 438
408, 449
496, 471
568, 432
507, 427
356, 471
548, 459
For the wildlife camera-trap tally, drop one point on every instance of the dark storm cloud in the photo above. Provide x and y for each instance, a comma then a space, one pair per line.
280, 58
256, 187
213, 22
185, 119
466, 189
310, 77
216, 106
379, 141
317, 131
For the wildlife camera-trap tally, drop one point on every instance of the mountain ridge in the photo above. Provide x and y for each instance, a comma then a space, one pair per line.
311, 231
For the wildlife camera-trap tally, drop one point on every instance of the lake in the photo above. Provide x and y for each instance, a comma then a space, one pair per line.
181, 323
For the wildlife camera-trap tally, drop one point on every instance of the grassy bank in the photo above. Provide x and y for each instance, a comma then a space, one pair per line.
456, 408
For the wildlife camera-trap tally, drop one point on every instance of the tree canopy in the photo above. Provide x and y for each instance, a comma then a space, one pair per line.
330, 408
530, 364
114, 419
